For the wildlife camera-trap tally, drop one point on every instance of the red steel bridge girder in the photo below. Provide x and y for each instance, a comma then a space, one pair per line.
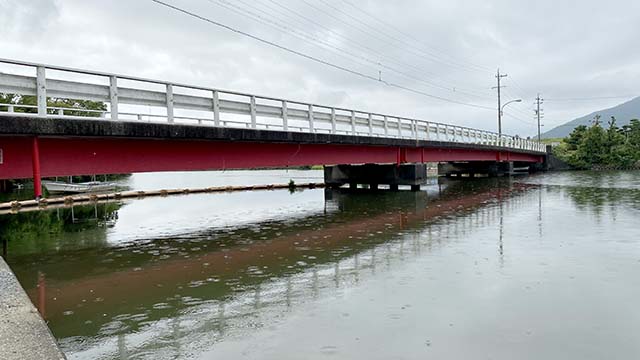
87, 156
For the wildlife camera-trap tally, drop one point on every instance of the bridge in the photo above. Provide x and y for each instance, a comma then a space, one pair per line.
152, 125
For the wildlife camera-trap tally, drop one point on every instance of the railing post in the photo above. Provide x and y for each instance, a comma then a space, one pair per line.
311, 127
252, 108
285, 116
333, 120
370, 121
41, 90
216, 108
438, 132
170, 103
399, 127
386, 125
113, 96
426, 124
353, 122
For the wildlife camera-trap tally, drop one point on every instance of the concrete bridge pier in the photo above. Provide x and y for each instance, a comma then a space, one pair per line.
487, 168
375, 175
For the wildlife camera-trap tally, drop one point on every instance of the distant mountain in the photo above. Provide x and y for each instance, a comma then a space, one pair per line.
623, 113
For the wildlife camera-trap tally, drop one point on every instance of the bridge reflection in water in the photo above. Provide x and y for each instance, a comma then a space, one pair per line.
181, 293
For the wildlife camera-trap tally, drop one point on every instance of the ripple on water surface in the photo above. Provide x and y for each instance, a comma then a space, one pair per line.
527, 268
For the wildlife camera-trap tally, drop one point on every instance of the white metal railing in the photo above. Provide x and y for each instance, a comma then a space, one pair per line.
241, 110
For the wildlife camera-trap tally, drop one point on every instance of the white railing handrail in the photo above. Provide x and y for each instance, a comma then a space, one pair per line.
377, 124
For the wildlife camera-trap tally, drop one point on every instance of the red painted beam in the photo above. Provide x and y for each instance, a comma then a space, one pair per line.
86, 156
35, 164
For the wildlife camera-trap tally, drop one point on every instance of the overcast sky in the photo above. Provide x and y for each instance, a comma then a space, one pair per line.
450, 49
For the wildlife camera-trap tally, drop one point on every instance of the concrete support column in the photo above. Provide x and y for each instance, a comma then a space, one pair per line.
35, 162
473, 168
374, 175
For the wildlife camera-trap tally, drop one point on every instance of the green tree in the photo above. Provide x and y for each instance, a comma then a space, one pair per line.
586, 147
575, 138
71, 107
592, 150
631, 133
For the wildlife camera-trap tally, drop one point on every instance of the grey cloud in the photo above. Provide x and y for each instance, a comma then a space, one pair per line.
559, 48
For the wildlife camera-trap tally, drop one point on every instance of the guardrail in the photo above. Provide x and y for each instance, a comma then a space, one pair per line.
177, 103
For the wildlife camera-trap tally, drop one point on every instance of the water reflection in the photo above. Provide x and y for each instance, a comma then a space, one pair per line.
140, 284
216, 281
47, 231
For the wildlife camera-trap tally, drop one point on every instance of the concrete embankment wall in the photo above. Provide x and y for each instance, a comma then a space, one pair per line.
23, 332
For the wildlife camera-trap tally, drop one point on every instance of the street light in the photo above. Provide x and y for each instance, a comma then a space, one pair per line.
502, 112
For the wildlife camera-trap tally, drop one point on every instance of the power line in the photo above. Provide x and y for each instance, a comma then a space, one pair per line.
529, 123
313, 39
391, 26
243, 12
593, 98
370, 31
372, 28
518, 89
382, 55
310, 57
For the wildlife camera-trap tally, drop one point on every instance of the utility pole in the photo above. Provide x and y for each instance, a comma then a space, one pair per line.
498, 77
538, 102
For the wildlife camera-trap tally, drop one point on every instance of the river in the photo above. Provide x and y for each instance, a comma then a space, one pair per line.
538, 267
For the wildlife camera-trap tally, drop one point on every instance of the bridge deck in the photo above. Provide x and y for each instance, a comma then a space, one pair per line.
98, 146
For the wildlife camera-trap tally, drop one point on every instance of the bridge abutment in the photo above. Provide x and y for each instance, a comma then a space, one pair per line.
374, 175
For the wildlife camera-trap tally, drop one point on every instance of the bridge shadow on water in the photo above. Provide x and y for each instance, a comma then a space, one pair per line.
164, 293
